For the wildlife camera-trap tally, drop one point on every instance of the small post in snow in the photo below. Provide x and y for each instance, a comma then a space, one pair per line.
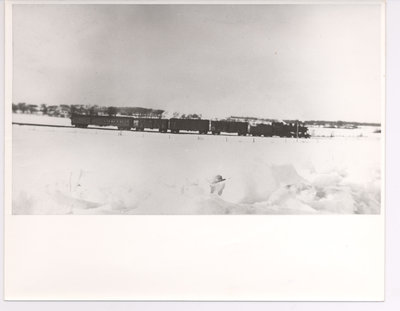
70, 177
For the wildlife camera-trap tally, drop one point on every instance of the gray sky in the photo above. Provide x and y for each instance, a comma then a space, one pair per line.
276, 61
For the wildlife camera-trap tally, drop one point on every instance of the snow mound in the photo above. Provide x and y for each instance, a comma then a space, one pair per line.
278, 190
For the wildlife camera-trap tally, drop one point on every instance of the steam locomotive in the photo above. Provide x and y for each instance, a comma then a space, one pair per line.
201, 126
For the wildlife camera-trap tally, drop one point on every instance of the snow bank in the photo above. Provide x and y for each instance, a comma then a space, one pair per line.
78, 171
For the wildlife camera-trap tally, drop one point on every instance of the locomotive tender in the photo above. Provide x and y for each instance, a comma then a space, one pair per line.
195, 125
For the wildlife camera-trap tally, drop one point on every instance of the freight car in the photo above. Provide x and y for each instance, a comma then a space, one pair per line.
142, 123
265, 130
122, 123
82, 121
281, 129
229, 127
176, 125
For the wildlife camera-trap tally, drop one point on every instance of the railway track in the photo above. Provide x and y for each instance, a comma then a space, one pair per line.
100, 128
109, 129
63, 126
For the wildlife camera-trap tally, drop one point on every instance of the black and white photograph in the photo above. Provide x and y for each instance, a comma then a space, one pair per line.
195, 151
190, 109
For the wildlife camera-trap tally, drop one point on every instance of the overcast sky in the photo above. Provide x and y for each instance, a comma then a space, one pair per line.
274, 61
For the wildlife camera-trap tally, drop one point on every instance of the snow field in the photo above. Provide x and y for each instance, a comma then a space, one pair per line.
82, 171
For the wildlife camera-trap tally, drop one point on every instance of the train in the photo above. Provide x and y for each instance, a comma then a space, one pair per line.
280, 129
202, 126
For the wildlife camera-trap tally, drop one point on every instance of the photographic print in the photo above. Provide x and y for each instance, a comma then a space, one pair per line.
197, 109
237, 149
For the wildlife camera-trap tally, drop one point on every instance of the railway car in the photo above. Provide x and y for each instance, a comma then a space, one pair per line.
229, 127
151, 123
265, 130
281, 129
122, 123
194, 125
81, 121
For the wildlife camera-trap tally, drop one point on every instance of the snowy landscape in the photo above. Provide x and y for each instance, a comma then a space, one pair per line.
95, 171
262, 64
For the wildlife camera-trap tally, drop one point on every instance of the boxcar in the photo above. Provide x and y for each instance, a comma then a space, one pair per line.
141, 123
176, 125
265, 130
80, 120
123, 123
229, 127
281, 129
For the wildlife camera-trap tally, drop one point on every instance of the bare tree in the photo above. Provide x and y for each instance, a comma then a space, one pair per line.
22, 107
43, 108
112, 111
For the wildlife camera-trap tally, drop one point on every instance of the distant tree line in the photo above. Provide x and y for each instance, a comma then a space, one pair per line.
322, 123
93, 110
67, 110
340, 124
190, 116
